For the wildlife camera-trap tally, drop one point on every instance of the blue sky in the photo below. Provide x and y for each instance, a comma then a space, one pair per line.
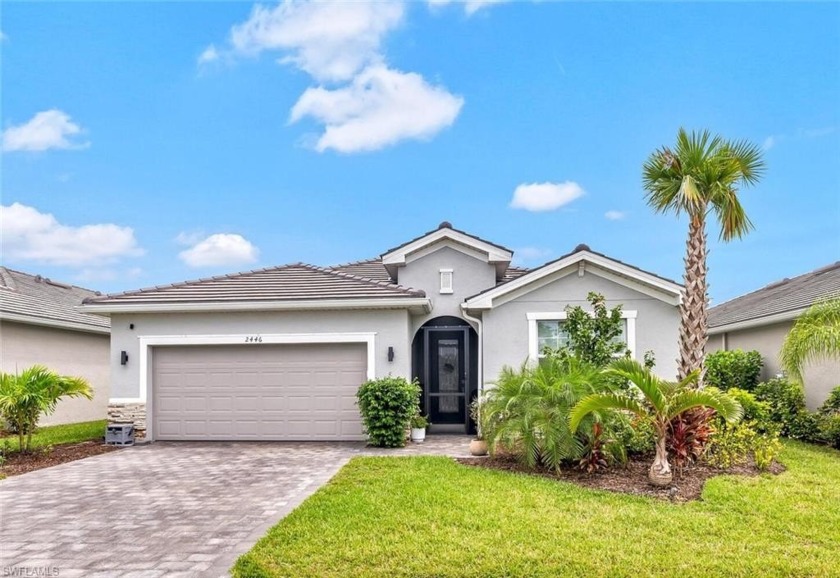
146, 143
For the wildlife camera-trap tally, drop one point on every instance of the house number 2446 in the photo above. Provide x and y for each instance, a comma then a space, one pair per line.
253, 339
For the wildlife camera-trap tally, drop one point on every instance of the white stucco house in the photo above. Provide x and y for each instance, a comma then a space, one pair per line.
761, 320
39, 325
278, 353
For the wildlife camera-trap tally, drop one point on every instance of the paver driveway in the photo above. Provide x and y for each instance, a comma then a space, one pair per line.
167, 509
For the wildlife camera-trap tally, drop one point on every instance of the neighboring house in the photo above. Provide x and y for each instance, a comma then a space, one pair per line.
279, 353
39, 324
762, 319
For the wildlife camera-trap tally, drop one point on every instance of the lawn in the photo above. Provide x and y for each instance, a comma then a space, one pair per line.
431, 517
59, 434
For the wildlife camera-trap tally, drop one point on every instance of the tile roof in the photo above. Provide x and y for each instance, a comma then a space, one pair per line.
447, 225
374, 269
297, 281
779, 297
45, 302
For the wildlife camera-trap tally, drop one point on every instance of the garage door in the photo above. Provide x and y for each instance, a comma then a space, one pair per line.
258, 392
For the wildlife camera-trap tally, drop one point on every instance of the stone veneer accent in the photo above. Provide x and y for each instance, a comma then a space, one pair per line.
134, 413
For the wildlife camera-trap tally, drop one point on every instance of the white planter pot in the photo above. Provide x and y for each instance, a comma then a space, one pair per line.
418, 434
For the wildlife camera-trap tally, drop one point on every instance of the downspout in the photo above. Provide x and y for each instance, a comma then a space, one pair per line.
478, 323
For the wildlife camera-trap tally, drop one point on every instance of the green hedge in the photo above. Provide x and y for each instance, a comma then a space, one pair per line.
737, 368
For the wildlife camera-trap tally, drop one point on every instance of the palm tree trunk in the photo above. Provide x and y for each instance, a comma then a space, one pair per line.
660, 471
693, 328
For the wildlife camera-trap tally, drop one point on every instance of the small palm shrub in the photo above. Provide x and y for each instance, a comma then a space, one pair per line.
736, 368
658, 400
36, 391
387, 406
527, 412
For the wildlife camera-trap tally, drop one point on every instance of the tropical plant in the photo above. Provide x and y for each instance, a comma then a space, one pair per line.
594, 337
815, 336
832, 403
700, 176
527, 411
387, 406
26, 396
733, 368
688, 434
419, 421
661, 400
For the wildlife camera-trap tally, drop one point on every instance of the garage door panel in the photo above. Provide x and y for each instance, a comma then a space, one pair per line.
270, 392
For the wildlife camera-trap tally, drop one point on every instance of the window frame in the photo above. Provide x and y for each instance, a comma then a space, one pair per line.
533, 334
447, 288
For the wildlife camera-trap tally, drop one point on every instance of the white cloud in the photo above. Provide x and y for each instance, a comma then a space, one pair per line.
379, 108
331, 41
768, 143
29, 235
614, 215
46, 130
219, 250
208, 55
3, 36
470, 6
189, 238
540, 197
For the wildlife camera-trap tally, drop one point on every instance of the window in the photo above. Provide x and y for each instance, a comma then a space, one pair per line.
545, 330
446, 281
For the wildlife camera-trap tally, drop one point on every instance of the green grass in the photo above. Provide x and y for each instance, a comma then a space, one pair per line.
60, 434
430, 517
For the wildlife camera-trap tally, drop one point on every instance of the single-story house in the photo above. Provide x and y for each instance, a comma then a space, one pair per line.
39, 324
279, 353
762, 319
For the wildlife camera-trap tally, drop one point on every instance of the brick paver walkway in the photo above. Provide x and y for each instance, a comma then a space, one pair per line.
166, 509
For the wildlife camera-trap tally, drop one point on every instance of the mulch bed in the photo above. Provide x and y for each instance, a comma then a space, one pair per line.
629, 479
17, 463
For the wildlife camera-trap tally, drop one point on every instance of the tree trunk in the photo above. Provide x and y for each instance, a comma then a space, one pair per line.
660, 471
693, 327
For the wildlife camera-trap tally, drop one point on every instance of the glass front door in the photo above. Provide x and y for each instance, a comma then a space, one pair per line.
446, 401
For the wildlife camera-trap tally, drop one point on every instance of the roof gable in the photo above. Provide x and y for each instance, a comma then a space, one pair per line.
611, 269
445, 234
778, 301
36, 300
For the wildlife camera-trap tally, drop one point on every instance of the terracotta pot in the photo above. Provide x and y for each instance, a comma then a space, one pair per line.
478, 447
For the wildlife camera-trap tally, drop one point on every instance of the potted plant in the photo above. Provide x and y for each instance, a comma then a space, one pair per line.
478, 445
418, 428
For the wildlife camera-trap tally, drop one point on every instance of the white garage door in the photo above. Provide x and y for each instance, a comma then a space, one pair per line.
258, 392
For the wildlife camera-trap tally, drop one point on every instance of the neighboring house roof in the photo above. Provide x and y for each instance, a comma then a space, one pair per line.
645, 281
374, 269
779, 301
37, 300
289, 286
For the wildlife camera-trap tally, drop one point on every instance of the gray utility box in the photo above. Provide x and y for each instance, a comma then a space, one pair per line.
119, 434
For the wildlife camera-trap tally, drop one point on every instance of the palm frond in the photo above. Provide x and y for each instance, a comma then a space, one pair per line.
815, 336
641, 377
600, 402
726, 406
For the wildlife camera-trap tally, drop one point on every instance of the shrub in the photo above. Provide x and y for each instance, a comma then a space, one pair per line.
595, 337
733, 444
387, 406
830, 429
786, 400
688, 434
754, 410
832, 404
419, 422
728, 369
527, 412
637, 436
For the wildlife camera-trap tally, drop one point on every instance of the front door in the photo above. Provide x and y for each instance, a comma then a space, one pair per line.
446, 387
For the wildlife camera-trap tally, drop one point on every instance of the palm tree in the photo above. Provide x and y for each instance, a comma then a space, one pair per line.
815, 335
661, 401
701, 175
24, 397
